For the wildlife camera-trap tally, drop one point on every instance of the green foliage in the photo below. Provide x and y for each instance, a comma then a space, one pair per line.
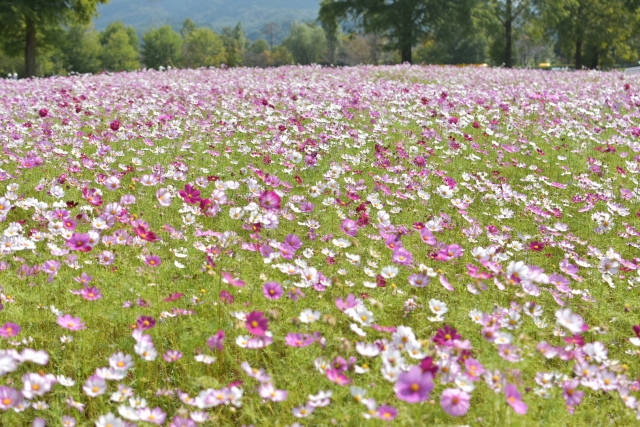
594, 30
405, 22
203, 48
25, 21
235, 43
161, 47
81, 50
306, 42
187, 27
258, 54
455, 50
119, 48
280, 55
10, 64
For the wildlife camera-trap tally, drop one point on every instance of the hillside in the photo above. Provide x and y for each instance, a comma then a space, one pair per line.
144, 14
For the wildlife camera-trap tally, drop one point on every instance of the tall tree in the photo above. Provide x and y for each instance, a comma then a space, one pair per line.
29, 17
187, 27
202, 48
235, 43
508, 13
81, 49
306, 42
161, 47
119, 47
594, 29
270, 29
405, 22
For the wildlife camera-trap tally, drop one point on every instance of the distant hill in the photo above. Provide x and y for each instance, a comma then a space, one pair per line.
144, 14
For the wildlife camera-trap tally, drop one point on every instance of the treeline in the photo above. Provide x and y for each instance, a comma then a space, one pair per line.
59, 38
79, 48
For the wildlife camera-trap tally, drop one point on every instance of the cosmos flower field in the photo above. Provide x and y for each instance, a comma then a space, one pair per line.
307, 246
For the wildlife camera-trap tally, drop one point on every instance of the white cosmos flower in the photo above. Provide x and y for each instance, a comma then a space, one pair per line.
438, 308
445, 191
309, 316
341, 243
389, 272
236, 213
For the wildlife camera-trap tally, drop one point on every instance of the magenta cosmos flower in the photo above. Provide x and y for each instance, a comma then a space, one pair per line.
514, 399
387, 413
349, 227
79, 242
272, 290
145, 322
152, 260
9, 330
190, 194
270, 200
455, 402
71, 323
216, 341
571, 394
414, 386
257, 324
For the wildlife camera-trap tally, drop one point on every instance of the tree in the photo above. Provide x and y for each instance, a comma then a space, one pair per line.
280, 56
270, 29
161, 47
332, 35
405, 22
508, 12
258, 54
202, 48
30, 17
187, 27
235, 43
306, 42
81, 49
596, 30
119, 47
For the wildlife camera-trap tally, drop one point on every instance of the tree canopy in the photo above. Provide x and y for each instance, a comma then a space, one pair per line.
26, 18
161, 47
405, 22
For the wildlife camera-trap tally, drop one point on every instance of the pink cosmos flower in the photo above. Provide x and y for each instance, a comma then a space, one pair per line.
228, 278
514, 399
272, 290
145, 322
414, 386
257, 324
172, 356
571, 394
152, 260
9, 330
298, 340
9, 398
401, 256
71, 323
79, 242
155, 415
216, 341
190, 194
349, 227
387, 412
270, 200
455, 402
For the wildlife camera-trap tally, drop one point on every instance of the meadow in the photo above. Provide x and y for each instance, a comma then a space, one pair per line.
307, 246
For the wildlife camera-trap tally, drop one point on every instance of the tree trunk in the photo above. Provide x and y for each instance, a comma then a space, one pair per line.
595, 59
405, 53
30, 49
578, 55
508, 21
